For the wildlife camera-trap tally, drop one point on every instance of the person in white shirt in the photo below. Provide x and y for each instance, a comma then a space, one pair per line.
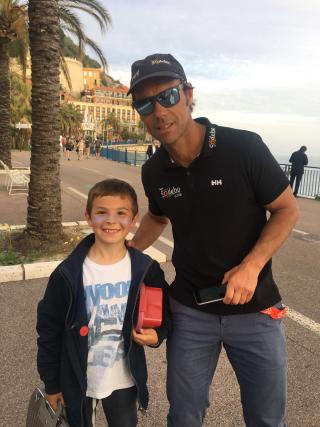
88, 349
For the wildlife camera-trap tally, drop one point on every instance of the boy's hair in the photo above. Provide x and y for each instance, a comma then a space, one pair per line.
112, 187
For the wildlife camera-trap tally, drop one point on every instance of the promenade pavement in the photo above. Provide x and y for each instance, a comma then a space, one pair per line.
297, 272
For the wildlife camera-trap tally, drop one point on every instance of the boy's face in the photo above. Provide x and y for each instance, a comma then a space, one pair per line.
111, 218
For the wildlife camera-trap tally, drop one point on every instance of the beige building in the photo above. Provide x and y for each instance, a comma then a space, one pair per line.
75, 68
99, 104
91, 77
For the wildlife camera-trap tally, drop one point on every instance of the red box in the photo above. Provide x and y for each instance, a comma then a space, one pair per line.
150, 308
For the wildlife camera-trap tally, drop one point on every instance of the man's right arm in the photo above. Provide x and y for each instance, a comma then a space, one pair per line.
151, 227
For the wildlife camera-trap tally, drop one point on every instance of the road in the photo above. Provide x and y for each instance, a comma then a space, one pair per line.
296, 269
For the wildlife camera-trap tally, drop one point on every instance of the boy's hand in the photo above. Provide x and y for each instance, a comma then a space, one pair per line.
53, 400
145, 337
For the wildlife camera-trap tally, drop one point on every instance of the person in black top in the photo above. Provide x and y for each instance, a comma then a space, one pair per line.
299, 160
152, 148
215, 185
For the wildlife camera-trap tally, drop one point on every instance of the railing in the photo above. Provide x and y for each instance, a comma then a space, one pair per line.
309, 185
130, 157
310, 182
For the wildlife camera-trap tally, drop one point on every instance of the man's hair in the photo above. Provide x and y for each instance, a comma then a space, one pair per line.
303, 148
112, 187
186, 86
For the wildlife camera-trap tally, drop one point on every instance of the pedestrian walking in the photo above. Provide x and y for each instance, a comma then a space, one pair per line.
97, 148
299, 160
215, 185
88, 350
80, 148
63, 143
87, 148
69, 148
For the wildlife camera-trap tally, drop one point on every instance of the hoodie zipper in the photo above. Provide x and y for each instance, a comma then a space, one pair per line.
140, 408
71, 297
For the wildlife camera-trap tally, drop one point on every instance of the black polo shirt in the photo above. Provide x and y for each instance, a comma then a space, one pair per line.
216, 208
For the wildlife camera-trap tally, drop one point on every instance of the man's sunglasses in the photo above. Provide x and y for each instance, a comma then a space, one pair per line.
168, 98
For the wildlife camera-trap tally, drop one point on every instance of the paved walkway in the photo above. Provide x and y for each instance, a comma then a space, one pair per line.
296, 269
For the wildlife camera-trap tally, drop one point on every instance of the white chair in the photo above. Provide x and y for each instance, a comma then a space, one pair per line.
18, 182
6, 172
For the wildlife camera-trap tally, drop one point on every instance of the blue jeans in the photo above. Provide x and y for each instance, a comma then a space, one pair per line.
255, 346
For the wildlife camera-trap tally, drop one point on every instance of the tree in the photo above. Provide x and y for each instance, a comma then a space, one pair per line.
44, 200
12, 25
20, 109
143, 130
71, 120
113, 121
20, 100
13, 28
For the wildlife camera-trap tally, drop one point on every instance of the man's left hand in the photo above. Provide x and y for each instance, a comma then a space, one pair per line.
241, 283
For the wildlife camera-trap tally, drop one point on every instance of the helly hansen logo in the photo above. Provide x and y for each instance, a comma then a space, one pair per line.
216, 182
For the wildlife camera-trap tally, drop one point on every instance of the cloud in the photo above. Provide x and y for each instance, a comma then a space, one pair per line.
254, 62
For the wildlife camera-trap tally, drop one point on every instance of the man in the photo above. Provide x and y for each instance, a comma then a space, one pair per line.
215, 185
152, 148
299, 160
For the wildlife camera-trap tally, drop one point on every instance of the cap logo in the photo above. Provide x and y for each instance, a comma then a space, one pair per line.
159, 61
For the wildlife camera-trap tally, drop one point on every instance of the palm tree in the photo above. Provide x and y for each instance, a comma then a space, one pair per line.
44, 200
20, 109
71, 120
12, 20
13, 28
70, 23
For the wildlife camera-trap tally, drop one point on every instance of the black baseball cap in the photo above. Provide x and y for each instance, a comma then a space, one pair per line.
156, 65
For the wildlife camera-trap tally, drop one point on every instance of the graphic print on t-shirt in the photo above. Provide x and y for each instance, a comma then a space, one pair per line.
107, 304
106, 292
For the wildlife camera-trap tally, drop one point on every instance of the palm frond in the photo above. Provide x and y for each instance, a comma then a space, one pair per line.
93, 8
72, 24
98, 51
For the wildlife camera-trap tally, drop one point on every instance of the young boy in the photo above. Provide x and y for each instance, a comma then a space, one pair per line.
88, 349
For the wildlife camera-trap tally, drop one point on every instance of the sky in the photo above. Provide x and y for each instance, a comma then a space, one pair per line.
254, 65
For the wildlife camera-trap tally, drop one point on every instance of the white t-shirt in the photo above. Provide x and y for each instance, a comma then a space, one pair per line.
106, 290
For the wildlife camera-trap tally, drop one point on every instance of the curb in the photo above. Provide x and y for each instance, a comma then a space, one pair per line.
37, 270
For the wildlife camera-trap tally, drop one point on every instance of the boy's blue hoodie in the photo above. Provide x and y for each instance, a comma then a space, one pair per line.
63, 352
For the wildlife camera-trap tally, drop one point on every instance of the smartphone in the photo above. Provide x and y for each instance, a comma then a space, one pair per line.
208, 295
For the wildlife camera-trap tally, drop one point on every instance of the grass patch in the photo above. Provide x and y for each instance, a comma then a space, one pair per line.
11, 257
17, 247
